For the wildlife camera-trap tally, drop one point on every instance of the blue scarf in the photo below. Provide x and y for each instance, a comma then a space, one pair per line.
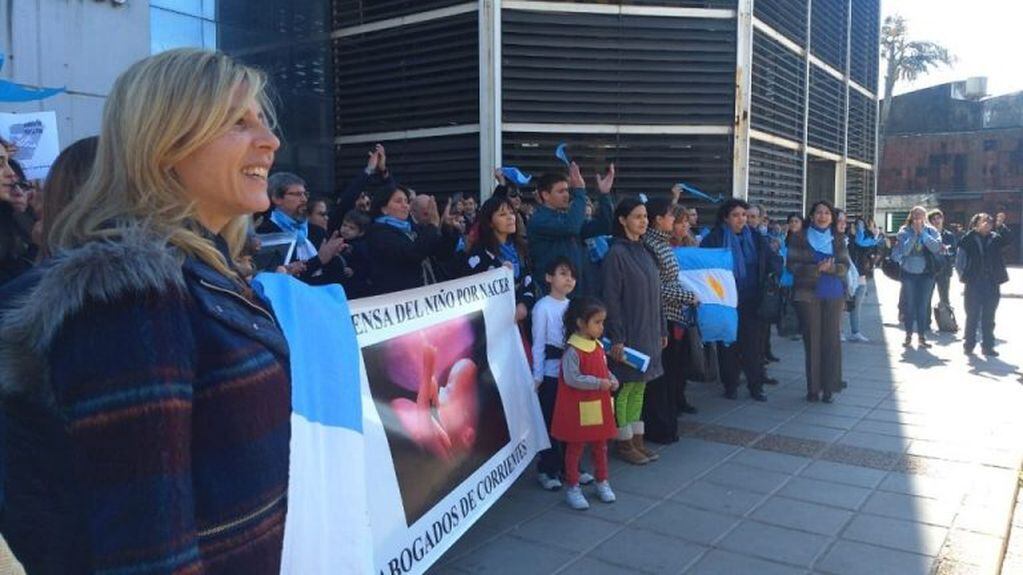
744, 256
511, 255
821, 240
291, 225
403, 225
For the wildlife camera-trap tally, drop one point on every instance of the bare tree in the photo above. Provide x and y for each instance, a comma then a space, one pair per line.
904, 60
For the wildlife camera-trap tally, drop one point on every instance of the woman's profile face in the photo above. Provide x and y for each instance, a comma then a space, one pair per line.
635, 223
7, 175
226, 177
665, 222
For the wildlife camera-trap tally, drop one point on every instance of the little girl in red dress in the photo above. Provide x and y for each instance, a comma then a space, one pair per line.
583, 412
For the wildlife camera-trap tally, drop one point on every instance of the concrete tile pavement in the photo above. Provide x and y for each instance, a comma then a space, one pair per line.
913, 470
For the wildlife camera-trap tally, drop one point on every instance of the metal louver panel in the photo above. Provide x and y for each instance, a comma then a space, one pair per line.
862, 126
827, 111
418, 76
785, 16
437, 166
668, 3
648, 164
348, 13
863, 56
828, 32
859, 192
778, 88
595, 68
776, 179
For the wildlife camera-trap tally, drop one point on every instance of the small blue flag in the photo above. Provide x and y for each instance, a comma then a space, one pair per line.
516, 175
561, 154
691, 190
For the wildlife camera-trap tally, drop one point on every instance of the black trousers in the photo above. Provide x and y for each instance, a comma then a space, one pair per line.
981, 301
660, 410
550, 461
942, 282
746, 354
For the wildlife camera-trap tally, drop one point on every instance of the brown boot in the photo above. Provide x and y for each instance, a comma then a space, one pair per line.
628, 453
637, 442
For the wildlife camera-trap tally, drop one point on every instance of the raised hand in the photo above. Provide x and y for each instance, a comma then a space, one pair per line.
575, 177
373, 162
606, 182
499, 176
676, 193
382, 155
330, 248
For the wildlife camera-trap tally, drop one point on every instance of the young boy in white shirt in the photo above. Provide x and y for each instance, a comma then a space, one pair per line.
548, 345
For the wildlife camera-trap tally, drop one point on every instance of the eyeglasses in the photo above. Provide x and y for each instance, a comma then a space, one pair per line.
301, 194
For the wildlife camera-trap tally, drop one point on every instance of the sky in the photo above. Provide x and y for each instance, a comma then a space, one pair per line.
986, 36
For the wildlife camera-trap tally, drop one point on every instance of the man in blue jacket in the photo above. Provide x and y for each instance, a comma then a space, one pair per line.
558, 227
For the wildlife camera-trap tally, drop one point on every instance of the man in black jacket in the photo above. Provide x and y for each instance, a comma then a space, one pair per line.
317, 253
982, 269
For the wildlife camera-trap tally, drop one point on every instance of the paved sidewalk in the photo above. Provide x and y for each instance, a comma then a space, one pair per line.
913, 470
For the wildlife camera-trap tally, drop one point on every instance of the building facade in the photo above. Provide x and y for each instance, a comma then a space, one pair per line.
952, 149
770, 100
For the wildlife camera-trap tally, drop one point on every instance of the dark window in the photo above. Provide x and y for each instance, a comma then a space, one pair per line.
959, 172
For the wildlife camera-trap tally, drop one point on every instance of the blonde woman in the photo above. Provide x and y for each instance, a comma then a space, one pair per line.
917, 250
148, 385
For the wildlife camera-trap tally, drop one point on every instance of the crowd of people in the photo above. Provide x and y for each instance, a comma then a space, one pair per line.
147, 384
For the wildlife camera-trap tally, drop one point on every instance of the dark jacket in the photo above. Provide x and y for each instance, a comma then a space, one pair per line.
357, 259
554, 234
980, 259
17, 253
480, 259
332, 272
769, 263
398, 258
362, 182
804, 268
635, 317
148, 408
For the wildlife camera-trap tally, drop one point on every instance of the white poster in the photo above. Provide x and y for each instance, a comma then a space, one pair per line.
450, 417
413, 412
36, 138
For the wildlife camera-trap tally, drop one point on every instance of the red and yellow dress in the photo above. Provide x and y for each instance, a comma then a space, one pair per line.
583, 412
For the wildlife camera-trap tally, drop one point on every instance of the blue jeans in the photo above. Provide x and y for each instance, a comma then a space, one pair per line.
917, 290
854, 316
981, 302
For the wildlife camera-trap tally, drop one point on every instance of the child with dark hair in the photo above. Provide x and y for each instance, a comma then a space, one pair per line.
548, 345
582, 412
358, 264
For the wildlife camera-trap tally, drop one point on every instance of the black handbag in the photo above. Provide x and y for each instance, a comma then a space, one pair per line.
891, 269
771, 303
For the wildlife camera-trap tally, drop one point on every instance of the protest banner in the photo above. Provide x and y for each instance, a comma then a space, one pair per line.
35, 136
446, 420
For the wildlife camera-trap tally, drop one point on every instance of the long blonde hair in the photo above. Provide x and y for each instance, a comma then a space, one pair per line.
161, 110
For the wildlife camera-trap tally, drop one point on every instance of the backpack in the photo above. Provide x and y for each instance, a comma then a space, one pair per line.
945, 317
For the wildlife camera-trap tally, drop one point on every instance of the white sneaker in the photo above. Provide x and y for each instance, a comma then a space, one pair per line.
585, 478
860, 338
575, 498
604, 492
843, 338
549, 483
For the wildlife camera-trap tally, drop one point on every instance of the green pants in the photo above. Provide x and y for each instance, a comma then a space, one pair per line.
629, 403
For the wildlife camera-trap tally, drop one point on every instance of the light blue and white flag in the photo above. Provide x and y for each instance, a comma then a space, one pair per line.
327, 529
708, 273
413, 412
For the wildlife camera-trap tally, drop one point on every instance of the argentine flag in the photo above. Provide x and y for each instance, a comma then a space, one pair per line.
327, 526
708, 273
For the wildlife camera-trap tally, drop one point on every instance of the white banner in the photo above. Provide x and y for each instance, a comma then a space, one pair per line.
35, 135
450, 417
